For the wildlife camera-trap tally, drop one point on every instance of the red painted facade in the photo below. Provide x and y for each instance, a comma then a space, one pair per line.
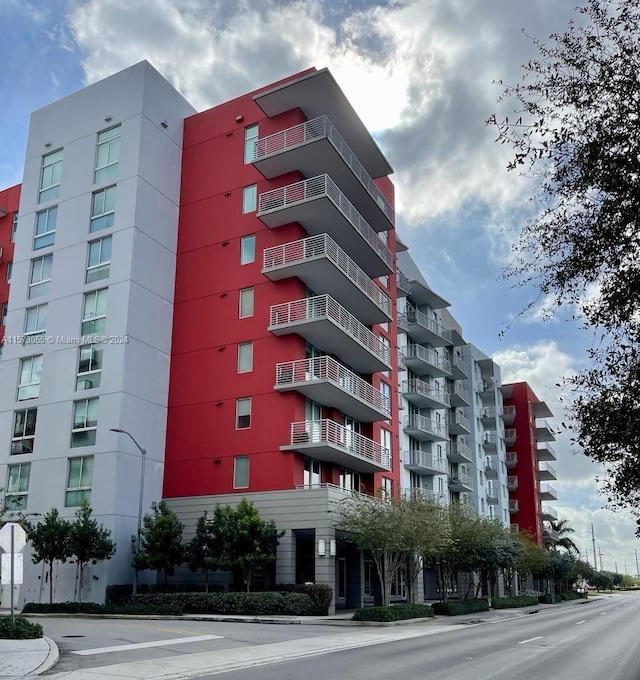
9, 202
202, 439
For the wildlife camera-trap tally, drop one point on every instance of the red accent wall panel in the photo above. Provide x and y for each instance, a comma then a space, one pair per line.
9, 203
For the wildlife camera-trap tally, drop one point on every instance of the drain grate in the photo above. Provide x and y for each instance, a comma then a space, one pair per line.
73, 636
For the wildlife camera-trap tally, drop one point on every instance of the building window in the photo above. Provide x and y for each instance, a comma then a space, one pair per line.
246, 302
349, 480
250, 141
103, 206
386, 488
79, 481
248, 249
243, 413
241, 472
24, 431
18, 486
89, 367
35, 323
9, 271
250, 199
50, 177
245, 357
385, 439
99, 260
85, 422
29, 385
311, 472
14, 227
107, 155
45, 228
3, 313
40, 276
94, 313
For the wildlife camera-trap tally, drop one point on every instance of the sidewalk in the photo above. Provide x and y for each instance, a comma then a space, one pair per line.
20, 658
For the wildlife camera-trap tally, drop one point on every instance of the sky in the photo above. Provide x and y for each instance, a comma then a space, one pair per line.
422, 76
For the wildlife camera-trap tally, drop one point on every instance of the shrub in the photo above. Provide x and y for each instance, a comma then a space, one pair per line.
510, 602
457, 607
574, 595
167, 609
395, 612
122, 593
320, 594
298, 604
20, 629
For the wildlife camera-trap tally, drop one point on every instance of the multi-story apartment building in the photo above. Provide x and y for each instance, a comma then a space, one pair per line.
9, 203
528, 455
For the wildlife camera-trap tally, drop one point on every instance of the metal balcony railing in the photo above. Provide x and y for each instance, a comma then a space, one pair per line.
458, 449
457, 417
425, 389
402, 282
317, 187
428, 356
425, 460
418, 422
313, 308
547, 471
323, 245
458, 389
511, 458
508, 411
327, 368
459, 364
461, 479
332, 433
548, 490
425, 494
314, 129
513, 506
415, 316
510, 436
512, 482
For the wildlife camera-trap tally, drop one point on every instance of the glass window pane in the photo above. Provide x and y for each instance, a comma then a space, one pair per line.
248, 250
249, 199
241, 472
243, 413
87, 471
75, 466
109, 199
245, 357
246, 303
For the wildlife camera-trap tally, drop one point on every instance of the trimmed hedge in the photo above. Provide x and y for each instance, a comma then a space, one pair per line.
396, 612
122, 593
94, 608
457, 607
20, 629
320, 594
511, 602
544, 599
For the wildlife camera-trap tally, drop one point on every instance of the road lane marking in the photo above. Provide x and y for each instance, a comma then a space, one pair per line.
581, 622
523, 642
144, 645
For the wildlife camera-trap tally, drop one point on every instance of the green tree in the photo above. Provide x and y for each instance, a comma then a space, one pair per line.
559, 536
533, 560
50, 541
204, 550
577, 131
161, 546
88, 542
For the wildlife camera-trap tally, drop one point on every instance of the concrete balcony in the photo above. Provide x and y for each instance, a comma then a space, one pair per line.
424, 463
488, 416
458, 368
458, 451
320, 207
425, 395
548, 493
546, 452
510, 436
314, 147
511, 459
424, 429
327, 382
491, 468
423, 329
458, 395
513, 506
403, 285
425, 494
549, 514
546, 472
325, 268
512, 482
331, 442
490, 441
493, 497
508, 414
460, 482
423, 361
331, 328
487, 392
550, 535
544, 432
458, 422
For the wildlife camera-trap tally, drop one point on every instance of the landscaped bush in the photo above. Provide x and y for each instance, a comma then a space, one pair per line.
457, 607
544, 599
20, 629
94, 608
320, 594
298, 604
122, 593
511, 602
574, 595
396, 612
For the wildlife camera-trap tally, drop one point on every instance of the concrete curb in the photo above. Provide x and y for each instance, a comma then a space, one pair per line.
52, 658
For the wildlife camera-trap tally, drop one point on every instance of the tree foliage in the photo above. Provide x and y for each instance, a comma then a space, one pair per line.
203, 552
576, 129
559, 536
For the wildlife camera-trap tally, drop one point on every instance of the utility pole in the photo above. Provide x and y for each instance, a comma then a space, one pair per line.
595, 559
601, 554
637, 569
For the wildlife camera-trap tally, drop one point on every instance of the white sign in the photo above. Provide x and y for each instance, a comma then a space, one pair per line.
6, 568
19, 537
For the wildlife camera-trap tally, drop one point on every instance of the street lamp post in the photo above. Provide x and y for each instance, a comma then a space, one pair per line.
143, 454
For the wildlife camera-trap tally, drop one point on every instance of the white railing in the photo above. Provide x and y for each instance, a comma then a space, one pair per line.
550, 511
511, 458
330, 432
493, 494
402, 282
312, 130
316, 187
348, 493
512, 482
415, 316
458, 362
548, 469
425, 494
310, 309
459, 478
459, 448
491, 464
428, 356
490, 438
510, 434
459, 390
418, 422
327, 368
548, 489
508, 411
460, 419
323, 245
546, 448
425, 460
513, 506
425, 389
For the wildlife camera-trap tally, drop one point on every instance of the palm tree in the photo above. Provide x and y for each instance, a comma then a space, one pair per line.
559, 536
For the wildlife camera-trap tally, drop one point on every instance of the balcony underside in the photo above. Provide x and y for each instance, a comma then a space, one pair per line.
334, 395
456, 454
327, 336
546, 453
458, 428
458, 399
321, 275
320, 215
421, 367
328, 452
423, 399
424, 336
545, 475
458, 371
544, 434
424, 435
425, 465
548, 495
459, 485
318, 155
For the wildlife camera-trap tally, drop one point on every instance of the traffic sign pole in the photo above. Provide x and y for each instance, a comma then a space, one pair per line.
13, 557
